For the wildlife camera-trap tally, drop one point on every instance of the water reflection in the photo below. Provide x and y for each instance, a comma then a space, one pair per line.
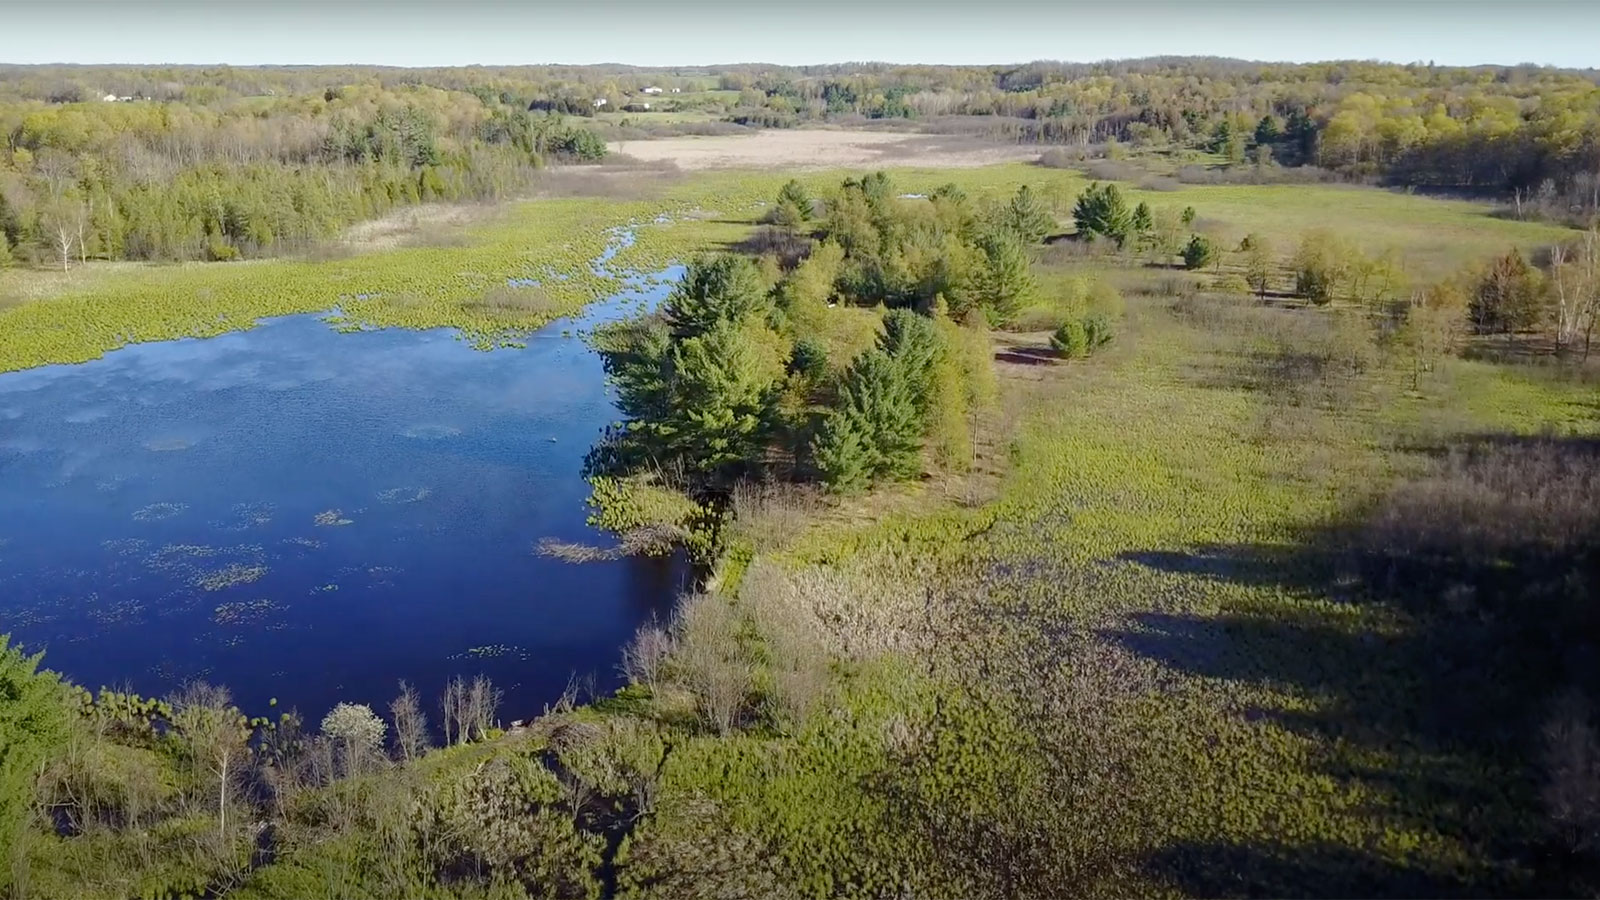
309, 515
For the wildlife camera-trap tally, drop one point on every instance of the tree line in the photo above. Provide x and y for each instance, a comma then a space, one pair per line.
177, 180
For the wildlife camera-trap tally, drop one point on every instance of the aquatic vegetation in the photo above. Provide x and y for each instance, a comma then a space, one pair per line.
491, 651
229, 576
246, 516
157, 512
121, 546
429, 431
331, 517
303, 543
244, 612
324, 589
403, 495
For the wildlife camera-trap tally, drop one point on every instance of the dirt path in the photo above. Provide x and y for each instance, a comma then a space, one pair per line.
822, 149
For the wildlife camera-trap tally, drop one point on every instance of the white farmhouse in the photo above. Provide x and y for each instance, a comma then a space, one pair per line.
651, 90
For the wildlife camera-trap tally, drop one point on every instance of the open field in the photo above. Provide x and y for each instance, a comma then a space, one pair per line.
811, 149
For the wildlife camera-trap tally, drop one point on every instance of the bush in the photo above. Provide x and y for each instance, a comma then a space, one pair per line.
1071, 340
1097, 330
1199, 252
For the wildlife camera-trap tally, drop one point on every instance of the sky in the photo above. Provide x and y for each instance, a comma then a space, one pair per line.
796, 32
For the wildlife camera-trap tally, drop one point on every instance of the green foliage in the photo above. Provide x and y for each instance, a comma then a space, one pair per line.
1142, 222
33, 728
794, 202
1102, 211
721, 383
875, 432
725, 288
1003, 284
1259, 261
1071, 340
1199, 252
1322, 265
1026, 217
1507, 297
1187, 216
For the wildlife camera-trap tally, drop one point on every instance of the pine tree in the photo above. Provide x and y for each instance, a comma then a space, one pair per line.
877, 402
33, 724
840, 452
794, 195
1142, 222
1027, 217
720, 385
912, 341
1101, 210
1004, 284
723, 288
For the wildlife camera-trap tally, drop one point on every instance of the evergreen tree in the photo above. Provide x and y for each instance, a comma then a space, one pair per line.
794, 194
1267, 130
1101, 210
1027, 217
912, 341
720, 386
33, 724
723, 288
1003, 285
1198, 253
1142, 223
840, 452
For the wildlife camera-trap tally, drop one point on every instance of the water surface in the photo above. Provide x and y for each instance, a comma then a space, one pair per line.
308, 515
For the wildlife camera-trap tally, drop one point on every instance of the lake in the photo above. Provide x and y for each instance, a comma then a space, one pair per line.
309, 515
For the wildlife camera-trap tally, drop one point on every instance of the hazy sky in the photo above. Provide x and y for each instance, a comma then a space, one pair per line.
695, 32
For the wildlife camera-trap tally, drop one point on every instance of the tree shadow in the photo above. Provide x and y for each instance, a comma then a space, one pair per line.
1477, 584
1232, 870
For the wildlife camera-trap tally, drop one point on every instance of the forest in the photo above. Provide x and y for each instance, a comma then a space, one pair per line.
1143, 521
217, 163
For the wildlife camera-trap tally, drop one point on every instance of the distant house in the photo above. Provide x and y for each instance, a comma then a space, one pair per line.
677, 90
651, 90
599, 102
109, 98
124, 99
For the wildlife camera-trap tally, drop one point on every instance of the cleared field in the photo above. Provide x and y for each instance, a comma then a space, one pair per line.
821, 149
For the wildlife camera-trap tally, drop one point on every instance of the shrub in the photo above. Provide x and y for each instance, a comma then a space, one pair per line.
1097, 330
1199, 252
1071, 340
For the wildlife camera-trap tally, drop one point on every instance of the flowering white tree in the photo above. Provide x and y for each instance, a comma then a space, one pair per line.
357, 729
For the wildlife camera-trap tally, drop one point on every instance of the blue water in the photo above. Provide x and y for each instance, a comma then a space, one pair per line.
308, 515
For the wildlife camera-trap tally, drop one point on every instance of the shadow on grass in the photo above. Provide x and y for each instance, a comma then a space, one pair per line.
1476, 588
1230, 870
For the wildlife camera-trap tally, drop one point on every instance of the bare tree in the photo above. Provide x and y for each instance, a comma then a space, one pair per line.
218, 737
453, 707
410, 724
643, 656
483, 705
